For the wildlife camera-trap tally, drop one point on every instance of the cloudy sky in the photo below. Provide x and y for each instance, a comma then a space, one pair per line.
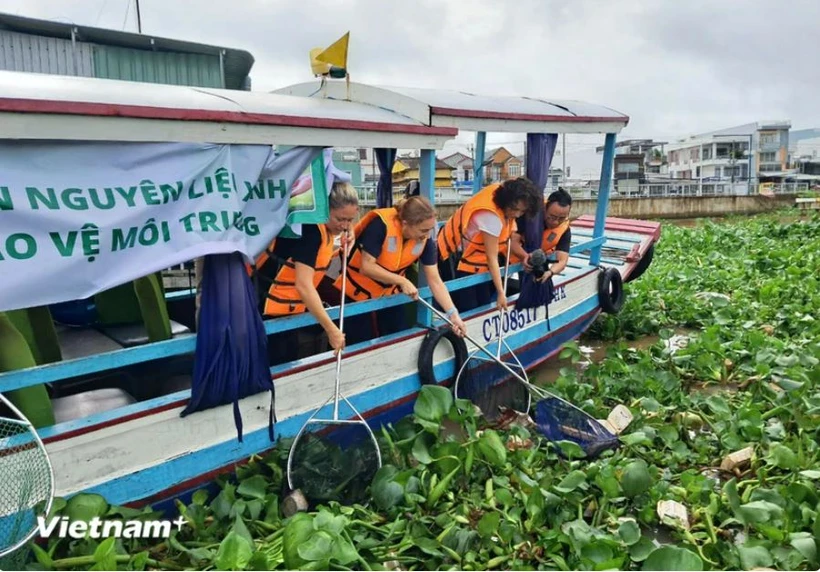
675, 67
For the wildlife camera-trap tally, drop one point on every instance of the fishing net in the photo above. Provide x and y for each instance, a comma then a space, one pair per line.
558, 420
491, 386
26, 481
334, 462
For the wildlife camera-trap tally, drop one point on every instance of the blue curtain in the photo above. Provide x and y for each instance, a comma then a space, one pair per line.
384, 191
231, 359
540, 149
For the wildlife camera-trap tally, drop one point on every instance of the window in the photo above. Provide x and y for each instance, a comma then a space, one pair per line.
768, 139
495, 173
514, 170
707, 152
770, 157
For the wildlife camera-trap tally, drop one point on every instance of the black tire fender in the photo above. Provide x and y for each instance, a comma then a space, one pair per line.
428, 347
642, 264
611, 291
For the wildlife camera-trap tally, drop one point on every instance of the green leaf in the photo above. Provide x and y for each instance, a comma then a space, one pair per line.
387, 493
433, 403
630, 532
343, 552
719, 406
234, 552
754, 557
492, 448
420, 449
641, 550
759, 511
635, 478
571, 449
810, 474
85, 506
428, 545
635, 438
105, 556
332, 523
488, 525
139, 560
242, 530
597, 551
258, 561
297, 531
42, 556
200, 497
672, 558
571, 482
782, 457
805, 544
317, 548
253, 487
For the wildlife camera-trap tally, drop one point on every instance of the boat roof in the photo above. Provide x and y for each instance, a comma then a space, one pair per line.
44, 106
473, 112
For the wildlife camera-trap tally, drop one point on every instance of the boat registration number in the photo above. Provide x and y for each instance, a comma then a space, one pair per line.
495, 325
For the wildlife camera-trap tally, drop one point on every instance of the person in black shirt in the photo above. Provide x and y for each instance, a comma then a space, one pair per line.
556, 236
298, 266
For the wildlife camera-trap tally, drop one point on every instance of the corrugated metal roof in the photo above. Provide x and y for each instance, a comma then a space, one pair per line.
237, 63
199, 70
38, 54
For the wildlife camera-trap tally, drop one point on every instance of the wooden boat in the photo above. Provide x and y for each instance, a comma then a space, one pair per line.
117, 397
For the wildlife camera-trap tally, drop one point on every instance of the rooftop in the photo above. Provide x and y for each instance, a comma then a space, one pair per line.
237, 63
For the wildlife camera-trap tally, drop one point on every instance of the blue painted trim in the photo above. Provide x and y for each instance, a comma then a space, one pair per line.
154, 480
603, 195
478, 160
603, 259
621, 238
60, 371
587, 245
180, 294
427, 181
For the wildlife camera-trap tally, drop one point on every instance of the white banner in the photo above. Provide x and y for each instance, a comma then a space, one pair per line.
79, 218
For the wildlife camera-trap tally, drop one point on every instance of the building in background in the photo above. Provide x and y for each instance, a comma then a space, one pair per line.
760, 149
636, 161
348, 160
462, 166
406, 169
501, 165
58, 48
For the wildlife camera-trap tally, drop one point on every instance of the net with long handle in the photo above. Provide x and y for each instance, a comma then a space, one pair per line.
26, 480
493, 384
336, 457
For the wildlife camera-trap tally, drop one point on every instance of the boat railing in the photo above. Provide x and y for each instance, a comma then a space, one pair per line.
54, 373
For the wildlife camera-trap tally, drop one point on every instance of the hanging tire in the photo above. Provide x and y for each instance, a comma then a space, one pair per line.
611, 291
428, 348
642, 264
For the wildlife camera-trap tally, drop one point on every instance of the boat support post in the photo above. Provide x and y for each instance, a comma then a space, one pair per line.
427, 184
478, 160
603, 198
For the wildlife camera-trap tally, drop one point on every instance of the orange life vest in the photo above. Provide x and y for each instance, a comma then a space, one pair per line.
451, 235
397, 256
282, 298
552, 237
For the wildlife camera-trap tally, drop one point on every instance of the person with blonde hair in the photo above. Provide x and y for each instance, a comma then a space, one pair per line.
388, 242
298, 266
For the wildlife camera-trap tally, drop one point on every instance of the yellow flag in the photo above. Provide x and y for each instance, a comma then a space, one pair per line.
336, 53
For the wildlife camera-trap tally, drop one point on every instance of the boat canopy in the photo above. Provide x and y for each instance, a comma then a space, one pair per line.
472, 112
51, 107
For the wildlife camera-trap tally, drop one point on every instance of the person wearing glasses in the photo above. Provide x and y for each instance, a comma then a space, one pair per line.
555, 238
